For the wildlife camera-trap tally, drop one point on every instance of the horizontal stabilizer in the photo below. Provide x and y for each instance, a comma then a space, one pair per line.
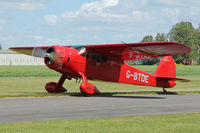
179, 79
183, 80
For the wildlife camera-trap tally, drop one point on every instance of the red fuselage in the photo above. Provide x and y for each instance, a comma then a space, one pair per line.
72, 61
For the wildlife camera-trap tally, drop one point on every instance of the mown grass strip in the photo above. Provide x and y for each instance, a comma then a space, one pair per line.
27, 71
176, 123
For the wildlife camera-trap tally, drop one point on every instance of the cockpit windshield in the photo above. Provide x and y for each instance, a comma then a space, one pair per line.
81, 50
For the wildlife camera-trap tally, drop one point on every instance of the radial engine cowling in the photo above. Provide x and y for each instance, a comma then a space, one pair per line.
55, 57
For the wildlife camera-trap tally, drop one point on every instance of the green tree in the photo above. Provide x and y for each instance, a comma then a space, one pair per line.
184, 33
148, 38
161, 37
0, 47
198, 45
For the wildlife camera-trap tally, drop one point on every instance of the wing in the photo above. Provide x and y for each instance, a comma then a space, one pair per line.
122, 52
137, 51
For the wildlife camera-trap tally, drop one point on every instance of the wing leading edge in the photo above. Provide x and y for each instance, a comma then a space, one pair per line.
126, 51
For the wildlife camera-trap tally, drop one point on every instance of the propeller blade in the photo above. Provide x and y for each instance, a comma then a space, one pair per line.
38, 52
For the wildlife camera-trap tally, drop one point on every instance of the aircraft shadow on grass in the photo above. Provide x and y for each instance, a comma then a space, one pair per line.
136, 95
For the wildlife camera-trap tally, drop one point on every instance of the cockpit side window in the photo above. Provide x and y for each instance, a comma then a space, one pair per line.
100, 59
90, 54
96, 57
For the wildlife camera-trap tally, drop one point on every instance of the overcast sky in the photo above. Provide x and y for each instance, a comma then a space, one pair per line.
67, 22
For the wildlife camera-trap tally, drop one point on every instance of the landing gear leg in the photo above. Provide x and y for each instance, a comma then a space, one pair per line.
53, 87
87, 88
164, 90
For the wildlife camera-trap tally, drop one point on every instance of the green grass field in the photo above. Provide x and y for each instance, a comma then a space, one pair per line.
20, 81
179, 123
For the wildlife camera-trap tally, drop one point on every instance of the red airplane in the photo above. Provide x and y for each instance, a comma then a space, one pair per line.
106, 62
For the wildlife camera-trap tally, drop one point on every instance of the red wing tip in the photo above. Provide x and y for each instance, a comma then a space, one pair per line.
12, 48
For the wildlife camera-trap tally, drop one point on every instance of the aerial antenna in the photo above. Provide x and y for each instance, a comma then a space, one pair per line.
123, 42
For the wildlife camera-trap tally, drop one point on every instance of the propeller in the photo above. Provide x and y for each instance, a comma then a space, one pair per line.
54, 56
48, 54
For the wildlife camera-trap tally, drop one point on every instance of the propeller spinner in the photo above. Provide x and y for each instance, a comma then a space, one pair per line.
48, 54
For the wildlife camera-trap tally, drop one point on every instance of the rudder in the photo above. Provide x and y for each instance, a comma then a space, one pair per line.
166, 68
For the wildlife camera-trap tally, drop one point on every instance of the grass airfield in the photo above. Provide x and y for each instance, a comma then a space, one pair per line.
29, 81
178, 123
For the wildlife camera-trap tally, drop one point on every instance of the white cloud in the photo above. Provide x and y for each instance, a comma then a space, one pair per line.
26, 5
98, 13
178, 3
93, 9
97, 8
140, 16
51, 19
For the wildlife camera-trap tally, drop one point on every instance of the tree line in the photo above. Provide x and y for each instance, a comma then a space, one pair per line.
182, 32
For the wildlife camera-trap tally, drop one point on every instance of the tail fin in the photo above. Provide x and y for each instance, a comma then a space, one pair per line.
166, 68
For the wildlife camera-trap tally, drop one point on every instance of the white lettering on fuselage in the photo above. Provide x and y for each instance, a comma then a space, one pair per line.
137, 76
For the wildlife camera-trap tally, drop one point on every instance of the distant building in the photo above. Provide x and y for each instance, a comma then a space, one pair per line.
8, 58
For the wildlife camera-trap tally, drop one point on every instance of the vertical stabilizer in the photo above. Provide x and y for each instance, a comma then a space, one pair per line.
166, 68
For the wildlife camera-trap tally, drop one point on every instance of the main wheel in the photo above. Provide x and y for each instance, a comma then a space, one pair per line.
87, 88
52, 87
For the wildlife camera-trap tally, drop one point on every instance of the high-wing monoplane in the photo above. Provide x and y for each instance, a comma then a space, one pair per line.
107, 62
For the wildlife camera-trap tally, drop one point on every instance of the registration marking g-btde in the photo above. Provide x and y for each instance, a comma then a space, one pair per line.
137, 77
